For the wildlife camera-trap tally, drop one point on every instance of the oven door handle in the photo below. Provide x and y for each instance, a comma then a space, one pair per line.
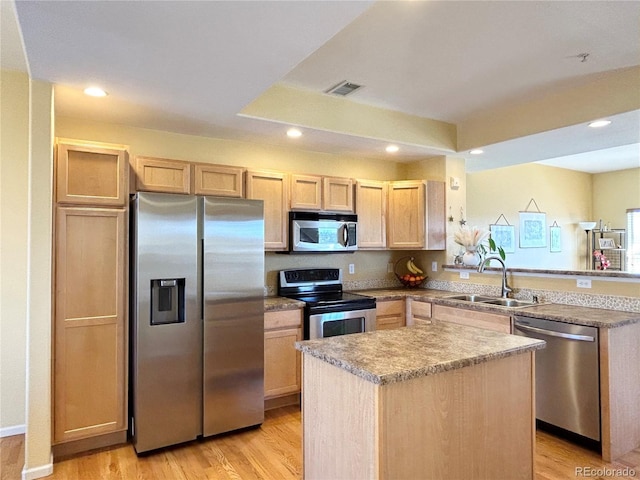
550, 333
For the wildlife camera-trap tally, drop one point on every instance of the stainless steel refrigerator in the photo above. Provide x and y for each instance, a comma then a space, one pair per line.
197, 317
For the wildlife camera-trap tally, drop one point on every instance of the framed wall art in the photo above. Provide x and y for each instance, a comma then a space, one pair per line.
555, 238
533, 228
504, 235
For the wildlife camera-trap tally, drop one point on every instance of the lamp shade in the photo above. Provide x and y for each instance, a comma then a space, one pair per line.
587, 225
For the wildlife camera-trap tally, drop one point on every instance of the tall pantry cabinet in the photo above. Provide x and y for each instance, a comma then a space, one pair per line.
90, 295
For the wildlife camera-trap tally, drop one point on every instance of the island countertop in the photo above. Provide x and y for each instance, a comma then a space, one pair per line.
388, 356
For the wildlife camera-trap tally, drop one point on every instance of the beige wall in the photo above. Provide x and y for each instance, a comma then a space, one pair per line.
37, 457
613, 194
564, 195
14, 156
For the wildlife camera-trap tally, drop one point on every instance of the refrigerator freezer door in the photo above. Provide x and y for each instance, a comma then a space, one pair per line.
233, 290
166, 334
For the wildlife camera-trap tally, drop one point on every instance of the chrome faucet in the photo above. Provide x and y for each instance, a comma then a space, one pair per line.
505, 288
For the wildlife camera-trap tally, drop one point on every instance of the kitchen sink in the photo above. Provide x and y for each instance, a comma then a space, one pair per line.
510, 302
503, 302
471, 298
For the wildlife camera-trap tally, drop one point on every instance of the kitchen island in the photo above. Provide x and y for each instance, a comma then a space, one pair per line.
435, 401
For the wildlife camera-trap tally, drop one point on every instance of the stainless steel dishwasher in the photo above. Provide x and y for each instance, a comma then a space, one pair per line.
567, 375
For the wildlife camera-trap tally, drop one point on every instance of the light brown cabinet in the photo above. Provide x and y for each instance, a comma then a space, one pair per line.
371, 207
90, 327
390, 314
418, 313
473, 318
218, 180
162, 175
281, 359
91, 174
314, 193
416, 218
271, 187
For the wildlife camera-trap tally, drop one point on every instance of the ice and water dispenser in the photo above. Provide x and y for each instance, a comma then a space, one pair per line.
167, 301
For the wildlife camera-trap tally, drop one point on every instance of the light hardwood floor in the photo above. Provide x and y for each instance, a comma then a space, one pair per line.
272, 452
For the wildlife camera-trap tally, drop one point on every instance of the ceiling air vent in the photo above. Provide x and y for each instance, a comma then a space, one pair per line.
343, 89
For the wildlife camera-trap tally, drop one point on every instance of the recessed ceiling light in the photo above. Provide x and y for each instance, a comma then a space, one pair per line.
392, 148
294, 133
600, 123
476, 151
95, 92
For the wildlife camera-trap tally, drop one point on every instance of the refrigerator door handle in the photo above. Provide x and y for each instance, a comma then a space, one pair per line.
201, 289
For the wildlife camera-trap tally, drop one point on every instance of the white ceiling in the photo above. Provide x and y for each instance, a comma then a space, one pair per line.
192, 66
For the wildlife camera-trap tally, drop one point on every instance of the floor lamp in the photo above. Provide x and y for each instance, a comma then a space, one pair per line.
587, 227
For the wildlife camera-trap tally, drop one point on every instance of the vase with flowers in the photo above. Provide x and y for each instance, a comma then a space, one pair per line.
472, 239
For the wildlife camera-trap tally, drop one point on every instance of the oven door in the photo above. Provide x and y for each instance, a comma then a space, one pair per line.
323, 325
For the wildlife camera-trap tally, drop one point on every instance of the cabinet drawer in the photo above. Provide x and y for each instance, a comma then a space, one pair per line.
390, 307
421, 309
283, 319
386, 323
473, 318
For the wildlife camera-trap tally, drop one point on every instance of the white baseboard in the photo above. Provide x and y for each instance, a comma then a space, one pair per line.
11, 431
38, 472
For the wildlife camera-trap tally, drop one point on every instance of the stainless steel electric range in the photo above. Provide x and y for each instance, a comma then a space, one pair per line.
328, 311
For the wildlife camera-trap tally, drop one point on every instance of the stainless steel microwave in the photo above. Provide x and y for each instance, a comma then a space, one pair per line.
322, 232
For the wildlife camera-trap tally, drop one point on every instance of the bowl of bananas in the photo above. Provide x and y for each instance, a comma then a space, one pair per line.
409, 274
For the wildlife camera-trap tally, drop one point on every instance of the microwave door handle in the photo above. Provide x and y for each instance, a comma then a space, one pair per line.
345, 234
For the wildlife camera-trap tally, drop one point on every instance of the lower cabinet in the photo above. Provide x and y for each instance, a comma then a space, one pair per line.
418, 313
473, 318
90, 329
390, 314
281, 360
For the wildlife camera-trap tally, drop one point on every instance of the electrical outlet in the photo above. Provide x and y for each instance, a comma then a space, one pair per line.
583, 283
464, 275
390, 267
352, 268
434, 266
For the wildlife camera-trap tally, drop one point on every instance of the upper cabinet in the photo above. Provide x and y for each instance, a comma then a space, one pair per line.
416, 217
272, 188
162, 175
219, 180
90, 173
371, 207
310, 192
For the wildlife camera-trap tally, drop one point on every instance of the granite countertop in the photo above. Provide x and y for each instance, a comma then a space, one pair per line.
388, 356
589, 316
281, 303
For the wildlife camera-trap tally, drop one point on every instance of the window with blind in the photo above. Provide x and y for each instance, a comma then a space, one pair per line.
633, 237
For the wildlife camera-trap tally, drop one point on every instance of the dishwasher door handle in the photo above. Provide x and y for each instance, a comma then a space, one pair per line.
568, 336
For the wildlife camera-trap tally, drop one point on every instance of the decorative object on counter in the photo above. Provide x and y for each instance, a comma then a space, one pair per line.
409, 274
587, 227
533, 227
471, 239
504, 235
555, 238
604, 262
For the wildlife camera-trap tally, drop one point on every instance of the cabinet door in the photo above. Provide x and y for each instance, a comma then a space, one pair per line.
306, 192
281, 359
219, 180
90, 322
91, 173
406, 215
436, 236
390, 314
271, 187
162, 175
337, 194
418, 313
473, 318
371, 207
